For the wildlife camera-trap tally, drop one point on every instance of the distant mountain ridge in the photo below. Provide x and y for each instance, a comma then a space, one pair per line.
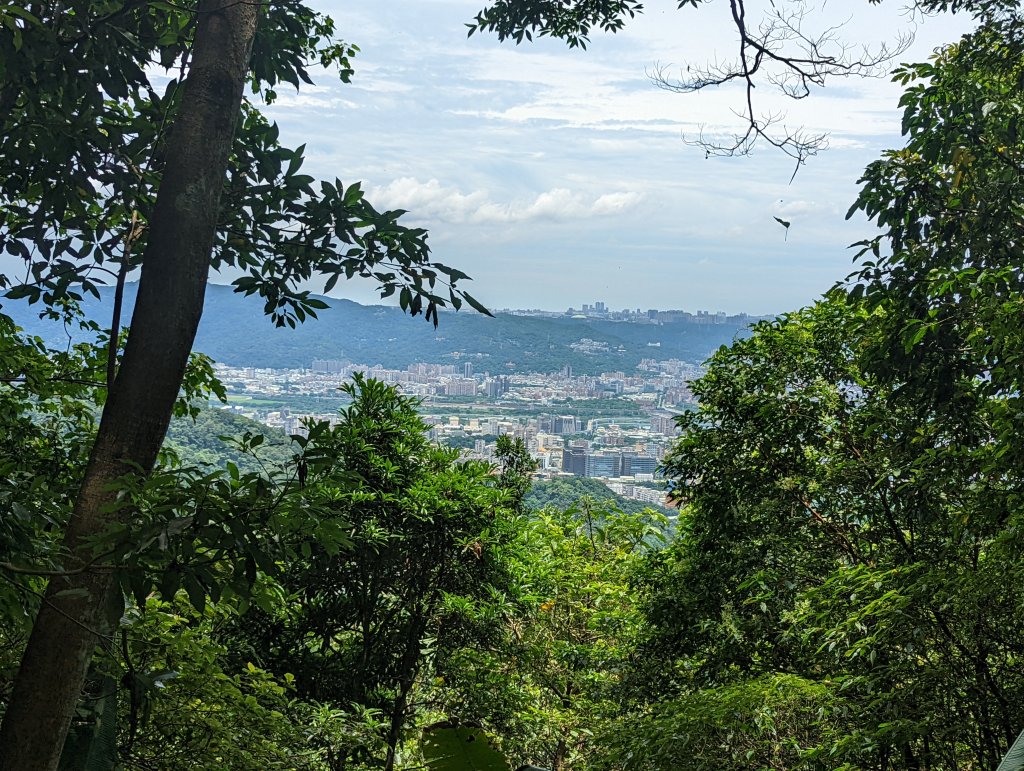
235, 331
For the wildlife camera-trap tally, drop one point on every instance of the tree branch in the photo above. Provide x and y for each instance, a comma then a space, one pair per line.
779, 53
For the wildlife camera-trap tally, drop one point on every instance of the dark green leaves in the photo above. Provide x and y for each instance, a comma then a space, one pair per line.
944, 276
572, 21
450, 748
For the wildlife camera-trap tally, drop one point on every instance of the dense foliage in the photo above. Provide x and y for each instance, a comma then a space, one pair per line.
831, 534
566, 492
205, 438
553, 669
847, 574
841, 588
107, 167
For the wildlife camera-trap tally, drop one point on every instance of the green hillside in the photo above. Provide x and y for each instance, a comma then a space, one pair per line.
199, 441
235, 331
564, 492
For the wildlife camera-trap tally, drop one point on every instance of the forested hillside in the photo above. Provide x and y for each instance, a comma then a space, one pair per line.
235, 331
208, 438
841, 586
567, 491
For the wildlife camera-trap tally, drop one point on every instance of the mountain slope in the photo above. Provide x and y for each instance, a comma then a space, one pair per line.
235, 331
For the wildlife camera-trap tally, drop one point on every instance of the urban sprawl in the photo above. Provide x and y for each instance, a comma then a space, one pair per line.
615, 427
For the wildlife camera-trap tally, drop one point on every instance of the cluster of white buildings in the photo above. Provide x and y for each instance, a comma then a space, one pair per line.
659, 384
547, 411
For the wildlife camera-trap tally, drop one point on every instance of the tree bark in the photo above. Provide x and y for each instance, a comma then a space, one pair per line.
172, 285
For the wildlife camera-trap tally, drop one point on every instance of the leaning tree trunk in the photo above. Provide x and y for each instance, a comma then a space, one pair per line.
141, 399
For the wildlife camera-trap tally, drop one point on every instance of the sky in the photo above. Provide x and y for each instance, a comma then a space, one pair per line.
557, 177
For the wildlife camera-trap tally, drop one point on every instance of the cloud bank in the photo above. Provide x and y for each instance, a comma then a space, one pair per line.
434, 201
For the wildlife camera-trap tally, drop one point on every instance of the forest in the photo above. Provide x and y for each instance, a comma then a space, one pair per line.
841, 586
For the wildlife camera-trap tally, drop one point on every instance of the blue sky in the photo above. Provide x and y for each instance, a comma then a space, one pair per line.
557, 177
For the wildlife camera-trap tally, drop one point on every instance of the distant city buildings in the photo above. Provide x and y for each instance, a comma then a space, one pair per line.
653, 316
551, 412
496, 387
568, 422
460, 386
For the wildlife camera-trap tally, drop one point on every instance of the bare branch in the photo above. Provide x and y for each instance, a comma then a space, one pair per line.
778, 52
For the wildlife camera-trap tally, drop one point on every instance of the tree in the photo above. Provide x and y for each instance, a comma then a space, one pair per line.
763, 723
943, 272
139, 405
100, 170
834, 532
547, 672
419, 526
46, 422
848, 482
190, 705
515, 466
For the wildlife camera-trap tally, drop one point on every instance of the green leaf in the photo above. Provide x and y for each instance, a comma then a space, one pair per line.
1014, 760
476, 305
446, 748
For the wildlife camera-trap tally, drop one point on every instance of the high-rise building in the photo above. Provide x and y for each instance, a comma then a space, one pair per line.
574, 461
638, 464
496, 386
329, 366
460, 386
603, 464
566, 424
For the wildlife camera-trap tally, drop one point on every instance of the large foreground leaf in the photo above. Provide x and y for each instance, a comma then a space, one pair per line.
1014, 760
447, 748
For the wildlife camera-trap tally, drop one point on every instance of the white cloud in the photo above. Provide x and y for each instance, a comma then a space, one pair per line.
428, 199
614, 203
795, 209
432, 200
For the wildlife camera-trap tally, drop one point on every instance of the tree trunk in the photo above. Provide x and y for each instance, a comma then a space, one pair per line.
170, 301
409, 669
562, 748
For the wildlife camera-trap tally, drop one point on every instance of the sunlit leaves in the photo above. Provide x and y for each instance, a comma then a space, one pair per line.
944, 276
842, 528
